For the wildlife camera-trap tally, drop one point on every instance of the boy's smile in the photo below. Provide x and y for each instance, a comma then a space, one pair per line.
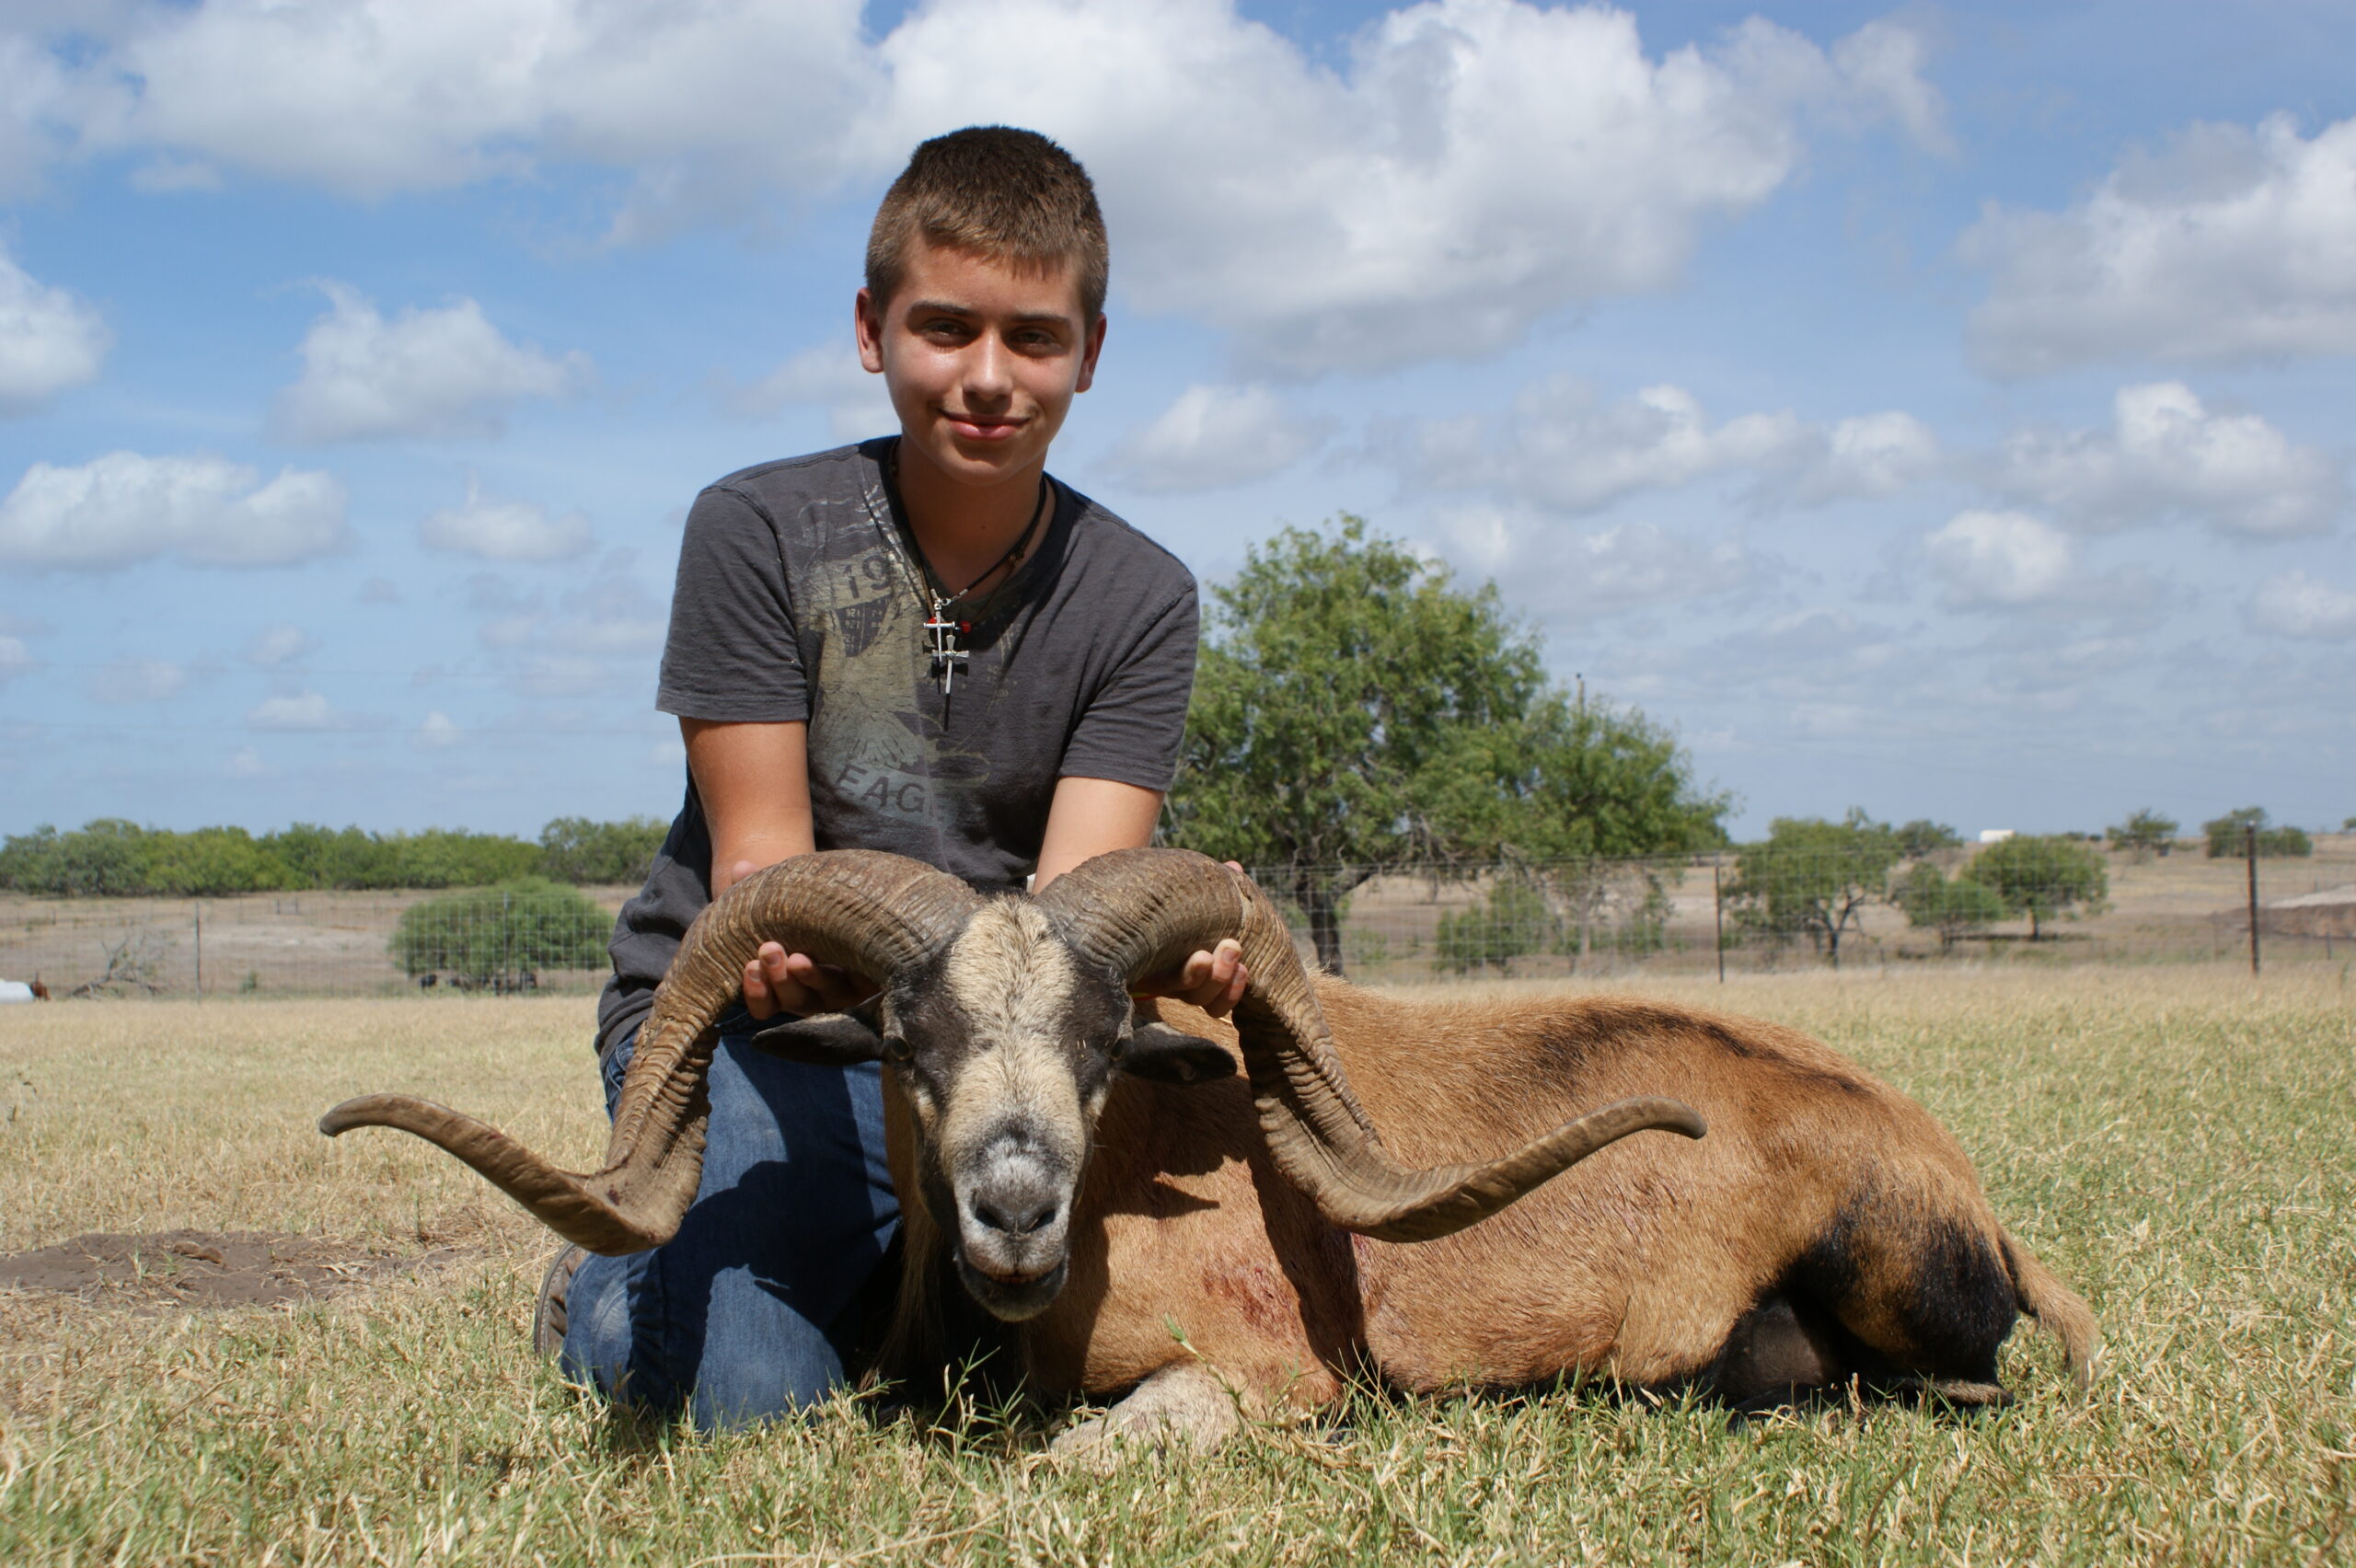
982, 362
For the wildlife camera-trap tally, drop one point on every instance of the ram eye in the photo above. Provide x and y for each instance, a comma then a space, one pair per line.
897, 1051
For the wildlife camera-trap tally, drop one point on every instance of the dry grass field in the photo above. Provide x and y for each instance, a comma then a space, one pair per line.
2174, 1141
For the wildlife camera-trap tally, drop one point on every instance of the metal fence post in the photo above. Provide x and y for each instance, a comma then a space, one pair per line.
1718, 916
2249, 849
200, 952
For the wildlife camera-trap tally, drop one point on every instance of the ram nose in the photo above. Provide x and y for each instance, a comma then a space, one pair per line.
1017, 1211
1012, 1231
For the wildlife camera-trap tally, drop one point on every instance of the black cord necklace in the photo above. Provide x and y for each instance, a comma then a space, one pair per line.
940, 630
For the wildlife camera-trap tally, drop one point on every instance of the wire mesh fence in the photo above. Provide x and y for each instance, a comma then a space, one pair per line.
492, 941
1737, 911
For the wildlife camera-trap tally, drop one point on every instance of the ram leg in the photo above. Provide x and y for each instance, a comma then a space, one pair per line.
1779, 1352
1185, 1403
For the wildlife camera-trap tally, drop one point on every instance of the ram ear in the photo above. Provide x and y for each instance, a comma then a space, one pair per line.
827, 1040
1165, 1054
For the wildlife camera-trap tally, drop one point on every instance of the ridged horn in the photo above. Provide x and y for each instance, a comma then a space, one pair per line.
1143, 911
871, 913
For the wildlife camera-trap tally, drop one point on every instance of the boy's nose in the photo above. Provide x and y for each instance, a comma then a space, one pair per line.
990, 370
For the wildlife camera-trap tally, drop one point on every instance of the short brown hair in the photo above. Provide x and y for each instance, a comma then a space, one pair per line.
995, 192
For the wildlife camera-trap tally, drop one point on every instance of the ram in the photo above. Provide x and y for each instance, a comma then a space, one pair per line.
1141, 1219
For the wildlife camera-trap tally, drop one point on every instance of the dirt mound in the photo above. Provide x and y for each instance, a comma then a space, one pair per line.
205, 1268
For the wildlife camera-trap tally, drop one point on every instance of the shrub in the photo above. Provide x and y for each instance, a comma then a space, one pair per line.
2145, 833
2228, 835
500, 937
1953, 906
1512, 922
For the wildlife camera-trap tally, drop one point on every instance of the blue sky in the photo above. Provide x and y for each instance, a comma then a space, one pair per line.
1945, 411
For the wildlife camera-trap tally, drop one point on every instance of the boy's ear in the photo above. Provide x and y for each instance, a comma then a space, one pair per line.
867, 325
1164, 1054
1090, 347
827, 1040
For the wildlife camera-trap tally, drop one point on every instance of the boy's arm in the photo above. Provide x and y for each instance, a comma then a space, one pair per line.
754, 780
1090, 816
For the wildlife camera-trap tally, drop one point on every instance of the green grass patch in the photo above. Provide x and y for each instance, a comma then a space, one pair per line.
2173, 1144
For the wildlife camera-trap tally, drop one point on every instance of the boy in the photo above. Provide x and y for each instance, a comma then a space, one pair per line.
921, 644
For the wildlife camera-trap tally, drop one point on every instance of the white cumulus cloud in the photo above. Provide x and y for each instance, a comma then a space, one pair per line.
1564, 449
827, 376
1466, 167
505, 530
2231, 244
445, 371
1471, 167
1212, 436
368, 98
2167, 455
1867, 457
50, 341
276, 645
438, 732
2297, 604
123, 508
297, 711
1567, 575
2001, 558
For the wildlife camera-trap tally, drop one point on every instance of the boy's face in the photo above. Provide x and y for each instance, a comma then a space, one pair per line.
982, 362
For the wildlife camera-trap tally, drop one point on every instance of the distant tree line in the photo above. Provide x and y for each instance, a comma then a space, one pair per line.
1814, 879
112, 857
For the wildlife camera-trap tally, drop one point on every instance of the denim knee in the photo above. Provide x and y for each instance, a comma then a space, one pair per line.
744, 1315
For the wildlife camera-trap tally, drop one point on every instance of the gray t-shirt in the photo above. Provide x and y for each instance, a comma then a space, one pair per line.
801, 598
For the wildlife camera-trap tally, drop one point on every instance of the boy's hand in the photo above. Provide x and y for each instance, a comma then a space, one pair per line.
795, 984
1213, 981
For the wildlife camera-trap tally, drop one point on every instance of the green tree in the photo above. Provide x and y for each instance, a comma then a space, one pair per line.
1354, 709
25, 860
576, 849
1814, 878
1953, 906
2145, 833
105, 858
1511, 922
318, 857
497, 937
211, 862
2042, 877
1921, 836
2228, 835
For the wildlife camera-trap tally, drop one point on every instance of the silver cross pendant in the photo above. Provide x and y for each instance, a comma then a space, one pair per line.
947, 657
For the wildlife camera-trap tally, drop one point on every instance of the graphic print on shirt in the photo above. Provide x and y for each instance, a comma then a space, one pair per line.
875, 746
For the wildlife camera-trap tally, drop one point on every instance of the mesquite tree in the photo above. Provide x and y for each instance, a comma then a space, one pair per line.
1355, 710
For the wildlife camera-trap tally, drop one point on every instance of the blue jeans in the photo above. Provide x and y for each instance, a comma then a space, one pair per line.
756, 1306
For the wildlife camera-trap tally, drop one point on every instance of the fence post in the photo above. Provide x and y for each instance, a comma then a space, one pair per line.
1718, 916
2249, 850
200, 952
